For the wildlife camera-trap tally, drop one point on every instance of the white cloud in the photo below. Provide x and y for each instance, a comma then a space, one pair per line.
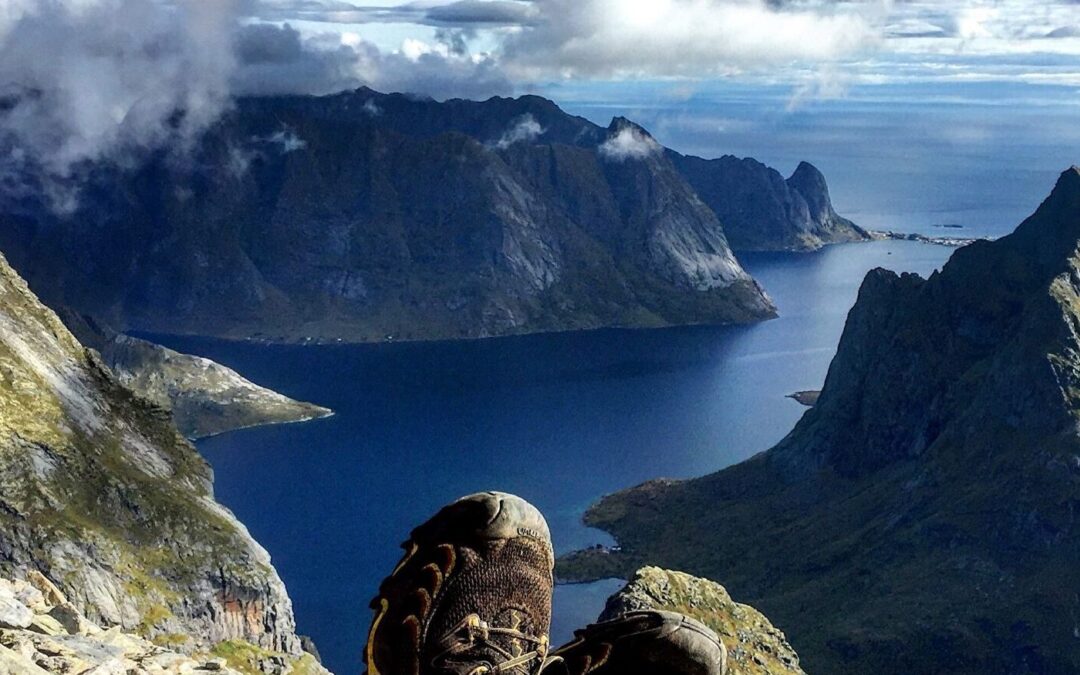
629, 142
524, 129
822, 84
84, 85
685, 38
88, 81
283, 60
288, 140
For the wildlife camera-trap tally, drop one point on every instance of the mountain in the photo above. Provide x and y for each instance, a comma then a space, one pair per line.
754, 646
101, 495
363, 216
761, 211
204, 397
922, 517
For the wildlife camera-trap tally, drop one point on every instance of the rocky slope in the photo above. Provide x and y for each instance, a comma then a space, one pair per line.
921, 518
754, 645
363, 216
205, 398
100, 494
761, 211
41, 632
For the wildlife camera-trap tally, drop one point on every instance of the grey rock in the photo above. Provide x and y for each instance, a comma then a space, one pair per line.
72, 620
46, 625
13, 614
13, 663
46, 646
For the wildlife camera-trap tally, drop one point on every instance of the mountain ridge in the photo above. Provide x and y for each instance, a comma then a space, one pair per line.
363, 217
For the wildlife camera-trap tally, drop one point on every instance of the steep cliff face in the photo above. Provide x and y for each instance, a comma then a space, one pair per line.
922, 517
99, 493
761, 211
363, 216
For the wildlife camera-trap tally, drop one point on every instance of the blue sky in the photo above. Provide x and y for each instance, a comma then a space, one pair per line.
896, 100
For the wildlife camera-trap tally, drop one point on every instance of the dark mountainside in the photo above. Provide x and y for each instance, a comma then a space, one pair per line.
364, 216
922, 518
761, 211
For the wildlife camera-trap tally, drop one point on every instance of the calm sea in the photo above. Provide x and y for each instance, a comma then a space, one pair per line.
559, 419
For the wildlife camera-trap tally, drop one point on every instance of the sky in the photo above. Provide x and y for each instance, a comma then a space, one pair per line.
897, 83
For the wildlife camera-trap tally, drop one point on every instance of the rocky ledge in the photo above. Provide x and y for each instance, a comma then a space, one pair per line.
205, 397
41, 632
754, 645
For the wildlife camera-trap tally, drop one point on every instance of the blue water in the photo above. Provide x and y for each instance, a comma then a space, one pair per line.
560, 419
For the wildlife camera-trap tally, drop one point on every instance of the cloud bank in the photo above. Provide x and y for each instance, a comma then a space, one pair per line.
90, 81
683, 38
79, 83
83, 81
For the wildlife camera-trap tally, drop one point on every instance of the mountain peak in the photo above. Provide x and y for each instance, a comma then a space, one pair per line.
807, 169
1069, 180
619, 123
1051, 234
1066, 193
808, 180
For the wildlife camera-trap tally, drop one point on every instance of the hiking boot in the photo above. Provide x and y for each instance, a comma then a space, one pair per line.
472, 595
642, 643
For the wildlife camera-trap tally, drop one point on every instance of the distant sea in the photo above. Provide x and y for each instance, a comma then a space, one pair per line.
907, 156
560, 419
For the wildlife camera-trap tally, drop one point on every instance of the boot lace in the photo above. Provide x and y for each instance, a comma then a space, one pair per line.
473, 633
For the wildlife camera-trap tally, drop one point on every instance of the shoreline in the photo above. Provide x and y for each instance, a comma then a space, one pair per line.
274, 423
951, 242
337, 342
309, 341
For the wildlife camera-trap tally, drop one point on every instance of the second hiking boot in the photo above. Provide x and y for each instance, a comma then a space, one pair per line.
642, 643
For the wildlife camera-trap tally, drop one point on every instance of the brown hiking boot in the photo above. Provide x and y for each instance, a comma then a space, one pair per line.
642, 643
472, 595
